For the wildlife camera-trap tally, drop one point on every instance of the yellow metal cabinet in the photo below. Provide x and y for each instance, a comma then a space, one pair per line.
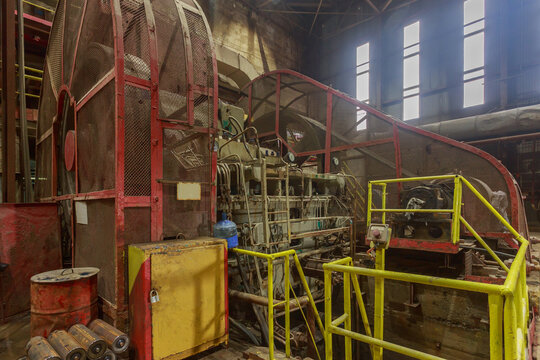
178, 301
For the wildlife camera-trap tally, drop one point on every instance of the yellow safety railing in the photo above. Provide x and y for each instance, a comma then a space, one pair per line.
456, 204
508, 303
270, 293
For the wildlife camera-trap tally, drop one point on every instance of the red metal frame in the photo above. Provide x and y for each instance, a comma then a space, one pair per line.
118, 309
515, 200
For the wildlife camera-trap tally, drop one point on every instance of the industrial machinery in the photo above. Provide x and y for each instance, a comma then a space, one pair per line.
128, 110
136, 150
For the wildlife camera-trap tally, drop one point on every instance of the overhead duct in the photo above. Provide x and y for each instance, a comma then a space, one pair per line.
502, 123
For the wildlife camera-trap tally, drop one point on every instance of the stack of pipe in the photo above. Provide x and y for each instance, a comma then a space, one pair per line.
98, 341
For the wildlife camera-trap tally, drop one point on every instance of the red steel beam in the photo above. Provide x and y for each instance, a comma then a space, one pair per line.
9, 132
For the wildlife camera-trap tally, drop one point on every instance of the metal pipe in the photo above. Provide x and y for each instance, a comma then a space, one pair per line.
380, 343
420, 279
502, 123
25, 150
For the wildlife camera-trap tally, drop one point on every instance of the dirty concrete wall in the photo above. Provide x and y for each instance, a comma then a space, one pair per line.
512, 50
268, 42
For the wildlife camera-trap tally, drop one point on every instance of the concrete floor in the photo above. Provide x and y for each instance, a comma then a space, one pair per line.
13, 338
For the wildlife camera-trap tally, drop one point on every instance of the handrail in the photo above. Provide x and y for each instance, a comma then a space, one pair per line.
270, 293
508, 303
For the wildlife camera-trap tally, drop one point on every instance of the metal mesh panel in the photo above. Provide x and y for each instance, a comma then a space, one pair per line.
54, 52
137, 146
186, 157
72, 23
137, 225
172, 61
44, 169
200, 46
47, 105
95, 246
136, 40
96, 141
202, 67
95, 52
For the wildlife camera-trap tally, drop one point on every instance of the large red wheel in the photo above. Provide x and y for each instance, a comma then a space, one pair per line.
128, 108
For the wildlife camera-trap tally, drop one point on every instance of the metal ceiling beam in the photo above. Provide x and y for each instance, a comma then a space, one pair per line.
315, 18
385, 6
373, 6
299, 12
9, 132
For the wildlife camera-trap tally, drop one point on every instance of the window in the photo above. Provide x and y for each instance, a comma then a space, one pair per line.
411, 71
473, 53
362, 82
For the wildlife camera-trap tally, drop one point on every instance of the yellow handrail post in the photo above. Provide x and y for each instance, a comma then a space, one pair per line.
308, 292
328, 313
347, 311
510, 327
495, 326
379, 303
457, 210
368, 211
287, 309
383, 203
362, 308
270, 309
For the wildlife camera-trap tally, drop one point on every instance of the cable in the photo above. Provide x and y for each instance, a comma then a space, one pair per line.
307, 324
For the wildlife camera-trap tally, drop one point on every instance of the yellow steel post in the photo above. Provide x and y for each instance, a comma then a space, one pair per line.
510, 327
287, 309
484, 244
362, 308
379, 303
347, 311
495, 326
383, 203
308, 292
457, 210
369, 197
328, 313
270, 309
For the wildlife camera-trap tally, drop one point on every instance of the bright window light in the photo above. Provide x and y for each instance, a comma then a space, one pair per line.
411, 71
473, 52
362, 81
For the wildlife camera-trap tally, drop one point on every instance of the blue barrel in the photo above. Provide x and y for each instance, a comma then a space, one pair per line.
226, 229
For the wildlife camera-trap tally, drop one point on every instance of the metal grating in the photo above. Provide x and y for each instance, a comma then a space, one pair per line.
73, 20
95, 52
54, 52
47, 105
43, 169
171, 61
186, 157
96, 142
136, 39
137, 146
200, 46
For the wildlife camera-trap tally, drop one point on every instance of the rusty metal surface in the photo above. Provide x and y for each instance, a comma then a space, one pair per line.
9, 133
61, 298
26, 230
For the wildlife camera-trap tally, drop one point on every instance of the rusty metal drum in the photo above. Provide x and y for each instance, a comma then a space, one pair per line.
62, 298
